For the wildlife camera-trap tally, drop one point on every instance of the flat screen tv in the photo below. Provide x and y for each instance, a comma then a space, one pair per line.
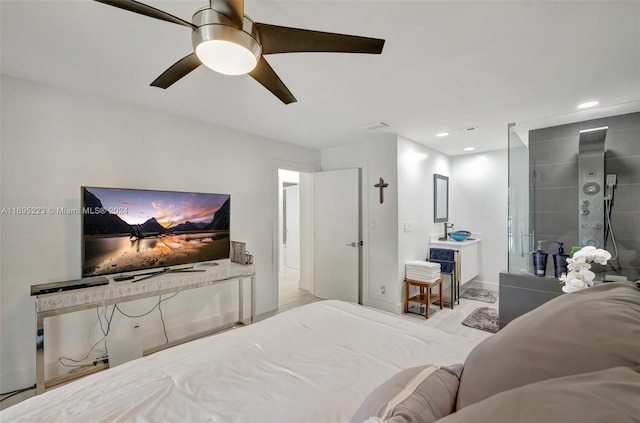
125, 230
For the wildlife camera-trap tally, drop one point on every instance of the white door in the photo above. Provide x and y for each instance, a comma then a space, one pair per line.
292, 227
337, 234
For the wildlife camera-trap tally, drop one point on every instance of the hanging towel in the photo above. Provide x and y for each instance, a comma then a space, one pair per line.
445, 257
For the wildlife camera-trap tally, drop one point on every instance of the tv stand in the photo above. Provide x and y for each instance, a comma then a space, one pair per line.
57, 303
148, 275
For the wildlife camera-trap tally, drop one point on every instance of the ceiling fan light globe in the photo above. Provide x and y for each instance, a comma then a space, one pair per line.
226, 57
225, 48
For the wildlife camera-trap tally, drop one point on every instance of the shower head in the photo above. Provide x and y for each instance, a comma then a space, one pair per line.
591, 141
612, 180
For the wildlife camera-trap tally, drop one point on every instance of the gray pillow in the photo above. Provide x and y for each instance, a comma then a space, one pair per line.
585, 331
419, 394
611, 395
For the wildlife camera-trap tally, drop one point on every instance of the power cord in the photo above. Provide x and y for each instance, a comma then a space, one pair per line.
81, 364
164, 327
160, 301
608, 233
105, 333
16, 392
103, 357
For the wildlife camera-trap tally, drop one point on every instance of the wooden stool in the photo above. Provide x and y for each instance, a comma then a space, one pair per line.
424, 297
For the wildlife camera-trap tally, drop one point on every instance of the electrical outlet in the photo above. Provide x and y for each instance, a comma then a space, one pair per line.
135, 324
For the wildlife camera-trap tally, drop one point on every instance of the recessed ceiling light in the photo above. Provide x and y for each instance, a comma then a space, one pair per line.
587, 104
442, 134
469, 149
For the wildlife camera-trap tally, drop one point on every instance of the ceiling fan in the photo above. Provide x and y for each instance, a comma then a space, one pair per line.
228, 41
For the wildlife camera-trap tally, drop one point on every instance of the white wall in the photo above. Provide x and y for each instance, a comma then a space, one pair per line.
377, 158
479, 195
478, 202
408, 168
416, 166
53, 141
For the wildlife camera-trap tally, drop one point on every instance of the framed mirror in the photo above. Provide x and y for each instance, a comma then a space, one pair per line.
440, 198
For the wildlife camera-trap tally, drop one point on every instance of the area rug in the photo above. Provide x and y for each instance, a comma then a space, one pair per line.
477, 294
483, 318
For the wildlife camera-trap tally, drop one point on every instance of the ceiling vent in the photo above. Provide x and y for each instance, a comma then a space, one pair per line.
469, 129
376, 125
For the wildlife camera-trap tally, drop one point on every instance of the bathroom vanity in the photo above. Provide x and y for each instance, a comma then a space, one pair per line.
469, 256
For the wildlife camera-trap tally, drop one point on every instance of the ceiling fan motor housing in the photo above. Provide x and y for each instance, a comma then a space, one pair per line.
229, 42
213, 25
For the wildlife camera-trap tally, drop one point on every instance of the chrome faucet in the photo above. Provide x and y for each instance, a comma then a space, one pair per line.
446, 232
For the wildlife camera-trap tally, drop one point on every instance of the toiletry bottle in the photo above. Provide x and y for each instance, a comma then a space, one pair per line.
540, 260
560, 260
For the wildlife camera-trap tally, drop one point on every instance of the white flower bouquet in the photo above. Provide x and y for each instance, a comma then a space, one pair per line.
579, 276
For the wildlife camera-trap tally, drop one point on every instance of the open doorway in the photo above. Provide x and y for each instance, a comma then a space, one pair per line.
289, 277
295, 233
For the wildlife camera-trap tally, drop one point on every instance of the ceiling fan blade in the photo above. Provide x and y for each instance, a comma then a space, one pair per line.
179, 69
265, 75
232, 9
143, 9
282, 39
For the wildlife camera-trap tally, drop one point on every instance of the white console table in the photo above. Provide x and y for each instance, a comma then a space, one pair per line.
54, 304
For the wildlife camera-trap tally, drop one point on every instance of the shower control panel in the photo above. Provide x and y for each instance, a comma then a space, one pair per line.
590, 209
591, 176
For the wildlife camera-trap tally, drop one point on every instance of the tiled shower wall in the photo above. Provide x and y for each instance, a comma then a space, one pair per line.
553, 179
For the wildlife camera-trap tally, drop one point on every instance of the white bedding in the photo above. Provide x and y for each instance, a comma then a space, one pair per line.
315, 363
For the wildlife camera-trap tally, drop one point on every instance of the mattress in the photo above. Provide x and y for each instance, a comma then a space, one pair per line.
315, 363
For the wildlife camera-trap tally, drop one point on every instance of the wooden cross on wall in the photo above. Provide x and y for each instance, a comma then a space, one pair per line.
382, 185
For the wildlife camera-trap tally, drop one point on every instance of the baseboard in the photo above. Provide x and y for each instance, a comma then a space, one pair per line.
18, 379
382, 305
190, 328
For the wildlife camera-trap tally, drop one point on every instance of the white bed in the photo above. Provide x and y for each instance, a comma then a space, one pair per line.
315, 363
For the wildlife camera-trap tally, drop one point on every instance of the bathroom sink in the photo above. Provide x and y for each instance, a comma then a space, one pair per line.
460, 235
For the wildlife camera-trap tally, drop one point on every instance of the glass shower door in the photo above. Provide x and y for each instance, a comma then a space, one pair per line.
520, 232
